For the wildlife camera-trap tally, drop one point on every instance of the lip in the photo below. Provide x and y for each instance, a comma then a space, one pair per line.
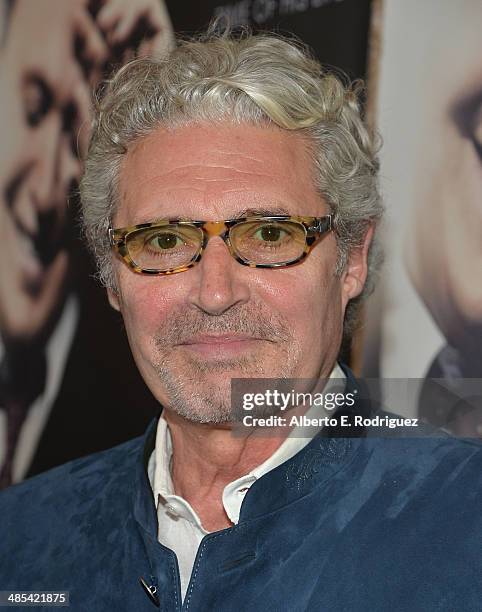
222, 345
217, 339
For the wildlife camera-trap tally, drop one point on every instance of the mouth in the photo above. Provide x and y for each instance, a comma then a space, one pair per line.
220, 345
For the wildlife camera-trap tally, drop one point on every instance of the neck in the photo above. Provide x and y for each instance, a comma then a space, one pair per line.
207, 457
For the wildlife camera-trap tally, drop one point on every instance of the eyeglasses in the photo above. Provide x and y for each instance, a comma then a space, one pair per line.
169, 246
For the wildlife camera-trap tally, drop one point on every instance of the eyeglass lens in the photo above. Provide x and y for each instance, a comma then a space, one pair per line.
174, 246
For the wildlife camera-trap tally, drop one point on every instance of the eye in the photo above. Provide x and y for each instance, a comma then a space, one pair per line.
270, 233
37, 100
165, 241
477, 131
467, 116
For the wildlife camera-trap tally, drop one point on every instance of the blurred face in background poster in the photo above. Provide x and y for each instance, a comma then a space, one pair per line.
44, 100
53, 54
444, 245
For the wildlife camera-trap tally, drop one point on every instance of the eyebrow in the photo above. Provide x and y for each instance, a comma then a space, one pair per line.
265, 212
246, 212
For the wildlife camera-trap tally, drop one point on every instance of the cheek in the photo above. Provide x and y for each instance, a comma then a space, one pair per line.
145, 302
308, 297
323, 312
459, 253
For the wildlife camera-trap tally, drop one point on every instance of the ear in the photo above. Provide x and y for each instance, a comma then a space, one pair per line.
113, 298
355, 273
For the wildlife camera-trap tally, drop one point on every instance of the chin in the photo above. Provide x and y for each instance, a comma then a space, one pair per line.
203, 408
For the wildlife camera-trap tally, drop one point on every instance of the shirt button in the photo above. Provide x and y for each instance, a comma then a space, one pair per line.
170, 508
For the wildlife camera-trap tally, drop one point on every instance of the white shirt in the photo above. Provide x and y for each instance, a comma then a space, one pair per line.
56, 352
179, 526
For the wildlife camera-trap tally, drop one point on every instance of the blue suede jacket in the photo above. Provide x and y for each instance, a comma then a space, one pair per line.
348, 524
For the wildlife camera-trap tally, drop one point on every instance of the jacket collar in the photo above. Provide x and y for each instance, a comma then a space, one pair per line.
321, 459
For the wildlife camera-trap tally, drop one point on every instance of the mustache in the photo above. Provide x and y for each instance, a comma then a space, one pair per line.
251, 319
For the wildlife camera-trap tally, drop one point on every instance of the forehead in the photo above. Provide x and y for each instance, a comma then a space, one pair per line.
214, 171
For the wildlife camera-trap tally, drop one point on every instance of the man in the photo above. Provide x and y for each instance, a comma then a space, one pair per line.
230, 194
46, 332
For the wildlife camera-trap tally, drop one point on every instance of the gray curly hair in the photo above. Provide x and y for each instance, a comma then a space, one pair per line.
257, 79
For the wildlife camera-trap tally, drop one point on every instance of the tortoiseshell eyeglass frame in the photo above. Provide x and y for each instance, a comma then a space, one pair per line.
314, 228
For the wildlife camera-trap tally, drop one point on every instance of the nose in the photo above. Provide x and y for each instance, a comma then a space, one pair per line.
48, 142
220, 280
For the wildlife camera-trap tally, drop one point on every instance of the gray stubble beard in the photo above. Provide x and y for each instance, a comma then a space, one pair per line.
196, 393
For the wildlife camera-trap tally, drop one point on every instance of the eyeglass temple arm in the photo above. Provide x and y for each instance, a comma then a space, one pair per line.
113, 239
325, 224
